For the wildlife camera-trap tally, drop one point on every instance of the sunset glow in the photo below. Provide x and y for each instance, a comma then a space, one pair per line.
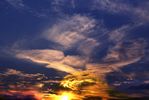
66, 96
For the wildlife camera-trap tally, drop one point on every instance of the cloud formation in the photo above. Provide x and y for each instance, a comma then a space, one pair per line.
75, 33
118, 56
72, 31
78, 43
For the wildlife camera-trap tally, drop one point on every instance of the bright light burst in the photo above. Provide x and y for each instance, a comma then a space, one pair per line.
66, 96
61, 96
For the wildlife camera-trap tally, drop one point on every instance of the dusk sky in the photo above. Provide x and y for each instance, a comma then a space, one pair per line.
74, 49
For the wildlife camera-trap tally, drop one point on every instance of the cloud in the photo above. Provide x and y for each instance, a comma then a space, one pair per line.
104, 69
119, 34
59, 5
126, 50
78, 61
87, 83
21, 95
117, 57
41, 56
77, 33
16, 80
16, 3
74, 32
80, 33
123, 53
137, 10
10, 72
115, 6
70, 31
21, 6
53, 59
86, 47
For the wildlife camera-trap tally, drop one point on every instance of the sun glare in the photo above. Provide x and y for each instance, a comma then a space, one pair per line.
66, 96
60, 96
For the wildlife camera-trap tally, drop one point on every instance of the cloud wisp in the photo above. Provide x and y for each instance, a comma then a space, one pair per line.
138, 13
16, 3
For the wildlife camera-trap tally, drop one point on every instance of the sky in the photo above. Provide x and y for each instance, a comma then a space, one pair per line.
51, 48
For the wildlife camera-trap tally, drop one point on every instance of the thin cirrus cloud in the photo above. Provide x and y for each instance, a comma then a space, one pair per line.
16, 3
21, 6
115, 6
138, 13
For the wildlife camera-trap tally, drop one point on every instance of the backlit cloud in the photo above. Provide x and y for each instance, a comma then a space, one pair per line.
53, 59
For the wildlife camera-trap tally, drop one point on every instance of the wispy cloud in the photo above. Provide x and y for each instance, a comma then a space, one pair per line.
22, 7
16, 3
116, 6
73, 32
70, 31
59, 5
